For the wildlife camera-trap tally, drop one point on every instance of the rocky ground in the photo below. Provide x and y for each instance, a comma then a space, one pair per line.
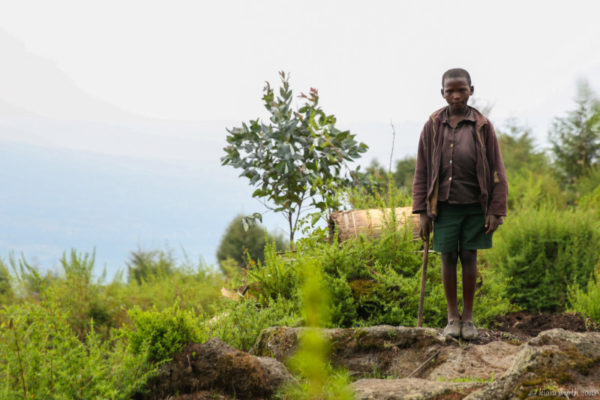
525, 357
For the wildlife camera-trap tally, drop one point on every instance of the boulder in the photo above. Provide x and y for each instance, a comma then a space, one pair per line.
396, 351
555, 363
417, 363
216, 367
411, 388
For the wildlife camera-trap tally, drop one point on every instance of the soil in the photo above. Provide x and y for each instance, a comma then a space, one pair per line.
523, 324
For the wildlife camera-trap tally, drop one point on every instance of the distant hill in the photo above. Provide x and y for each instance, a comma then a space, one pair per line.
77, 172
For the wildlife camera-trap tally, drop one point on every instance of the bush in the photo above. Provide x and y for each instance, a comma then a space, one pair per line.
240, 324
160, 334
311, 362
371, 281
587, 301
240, 245
193, 288
80, 297
534, 190
42, 357
6, 290
539, 252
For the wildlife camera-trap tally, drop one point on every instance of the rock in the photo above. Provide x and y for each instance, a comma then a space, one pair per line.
400, 352
203, 395
418, 363
411, 388
385, 350
474, 362
216, 366
567, 362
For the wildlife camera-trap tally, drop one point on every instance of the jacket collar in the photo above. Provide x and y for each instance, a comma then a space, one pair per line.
441, 116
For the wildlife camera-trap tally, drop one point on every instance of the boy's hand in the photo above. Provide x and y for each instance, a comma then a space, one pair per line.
425, 226
492, 222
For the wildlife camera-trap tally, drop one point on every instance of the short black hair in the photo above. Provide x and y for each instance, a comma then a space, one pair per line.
456, 73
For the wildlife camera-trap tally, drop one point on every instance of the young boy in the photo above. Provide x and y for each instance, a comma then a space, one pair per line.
460, 189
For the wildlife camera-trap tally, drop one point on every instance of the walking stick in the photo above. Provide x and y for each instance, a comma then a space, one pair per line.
423, 280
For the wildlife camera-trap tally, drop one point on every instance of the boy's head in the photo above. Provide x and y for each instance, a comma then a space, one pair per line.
456, 89
456, 73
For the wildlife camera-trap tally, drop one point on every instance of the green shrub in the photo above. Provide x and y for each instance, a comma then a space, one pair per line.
160, 334
587, 301
42, 357
245, 245
6, 290
318, 380
193, 288
529, 189
537, 253
80, 296
371, 281
388, 195
591, 201
240, 324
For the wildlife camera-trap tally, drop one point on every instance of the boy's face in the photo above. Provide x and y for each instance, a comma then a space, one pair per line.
457, 91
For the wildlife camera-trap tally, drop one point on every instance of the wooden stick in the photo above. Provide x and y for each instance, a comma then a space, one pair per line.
423, 280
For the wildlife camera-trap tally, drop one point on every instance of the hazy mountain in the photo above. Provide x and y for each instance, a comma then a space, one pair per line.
79, 173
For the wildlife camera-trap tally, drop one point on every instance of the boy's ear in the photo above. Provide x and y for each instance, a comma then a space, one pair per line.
442, 91
472, 89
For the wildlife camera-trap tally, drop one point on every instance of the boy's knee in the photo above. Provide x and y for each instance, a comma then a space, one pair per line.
449, 258
468, 257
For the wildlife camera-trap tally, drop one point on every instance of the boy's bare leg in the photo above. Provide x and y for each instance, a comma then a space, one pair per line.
449, 261
468, 260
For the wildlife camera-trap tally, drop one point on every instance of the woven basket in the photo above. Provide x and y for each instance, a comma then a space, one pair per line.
350, 224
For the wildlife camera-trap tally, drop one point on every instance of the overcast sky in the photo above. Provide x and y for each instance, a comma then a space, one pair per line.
371, 61
149, 66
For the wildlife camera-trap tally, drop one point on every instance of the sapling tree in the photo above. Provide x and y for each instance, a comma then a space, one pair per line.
296, 159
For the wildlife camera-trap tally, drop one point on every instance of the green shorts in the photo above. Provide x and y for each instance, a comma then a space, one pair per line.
460, 227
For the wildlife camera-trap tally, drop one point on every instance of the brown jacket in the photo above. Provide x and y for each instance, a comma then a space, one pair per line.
490, 168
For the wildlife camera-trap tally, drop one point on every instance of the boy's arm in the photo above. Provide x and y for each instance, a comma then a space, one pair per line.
419, 188
498, 193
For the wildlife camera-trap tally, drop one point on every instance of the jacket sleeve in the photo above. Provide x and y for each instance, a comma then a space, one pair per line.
498, 192
419, 187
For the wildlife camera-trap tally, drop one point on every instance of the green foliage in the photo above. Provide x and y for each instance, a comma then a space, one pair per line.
240, 323
576, 138
6, 290
76, 293
591, 201
29, 282
587, 190
193, 287
296, 159
238, 244
42, 357
362, 198
537, 253
160, 334
535, 190
311, 361
380, 189
518, 149
405, 172
143, 265
586, 300
371, 282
